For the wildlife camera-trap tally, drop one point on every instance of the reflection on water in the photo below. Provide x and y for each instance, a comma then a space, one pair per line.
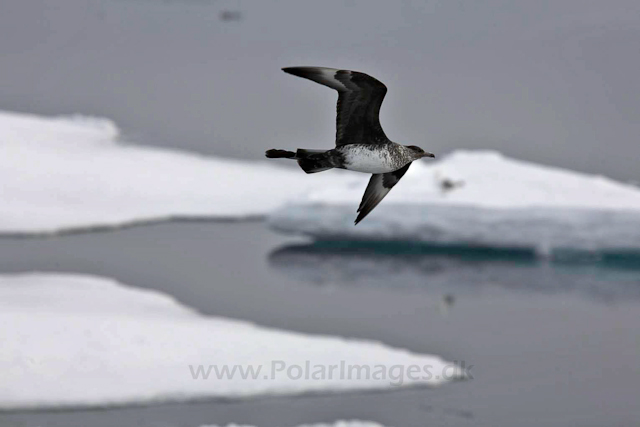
449, 270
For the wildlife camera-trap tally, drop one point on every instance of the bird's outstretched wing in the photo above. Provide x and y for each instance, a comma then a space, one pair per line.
379, 186
359, 99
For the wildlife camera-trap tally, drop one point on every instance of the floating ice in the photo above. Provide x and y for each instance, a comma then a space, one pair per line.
352, 423
60, 174
482, 199
71, 340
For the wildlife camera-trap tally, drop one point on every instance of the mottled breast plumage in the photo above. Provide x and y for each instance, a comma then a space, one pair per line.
374, 158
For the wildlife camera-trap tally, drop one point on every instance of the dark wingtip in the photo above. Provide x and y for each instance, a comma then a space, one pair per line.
297, 71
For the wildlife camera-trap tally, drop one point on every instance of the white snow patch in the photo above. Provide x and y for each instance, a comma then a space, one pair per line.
341, 423
72, 340
478, 198
72, 173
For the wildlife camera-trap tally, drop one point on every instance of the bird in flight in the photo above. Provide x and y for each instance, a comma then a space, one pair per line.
361, 144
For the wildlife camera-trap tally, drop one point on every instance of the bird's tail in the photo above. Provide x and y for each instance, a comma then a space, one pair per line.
311, 161
280, 154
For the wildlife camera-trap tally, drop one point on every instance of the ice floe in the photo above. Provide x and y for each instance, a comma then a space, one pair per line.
67, 173
73, 340
341, 423
478, 198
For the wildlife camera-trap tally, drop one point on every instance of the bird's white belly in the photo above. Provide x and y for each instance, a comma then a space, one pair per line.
368, 161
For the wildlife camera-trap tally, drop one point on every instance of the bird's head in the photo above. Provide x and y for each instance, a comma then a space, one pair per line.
418, 152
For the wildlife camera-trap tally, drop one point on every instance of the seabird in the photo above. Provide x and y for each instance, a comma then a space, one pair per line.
361, 144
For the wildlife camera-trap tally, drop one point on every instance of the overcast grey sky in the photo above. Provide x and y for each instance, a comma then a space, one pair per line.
550, 81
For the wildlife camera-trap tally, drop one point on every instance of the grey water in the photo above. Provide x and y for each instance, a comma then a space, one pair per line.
551, 344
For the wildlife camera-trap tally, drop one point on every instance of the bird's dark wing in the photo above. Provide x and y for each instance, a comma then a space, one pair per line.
359, 99
379, 186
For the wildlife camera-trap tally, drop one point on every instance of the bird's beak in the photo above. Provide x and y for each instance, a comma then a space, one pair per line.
429, 155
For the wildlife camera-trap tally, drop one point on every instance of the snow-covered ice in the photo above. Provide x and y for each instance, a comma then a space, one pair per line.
73, 340
68, 173
341, 423
478, 198
61, 174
